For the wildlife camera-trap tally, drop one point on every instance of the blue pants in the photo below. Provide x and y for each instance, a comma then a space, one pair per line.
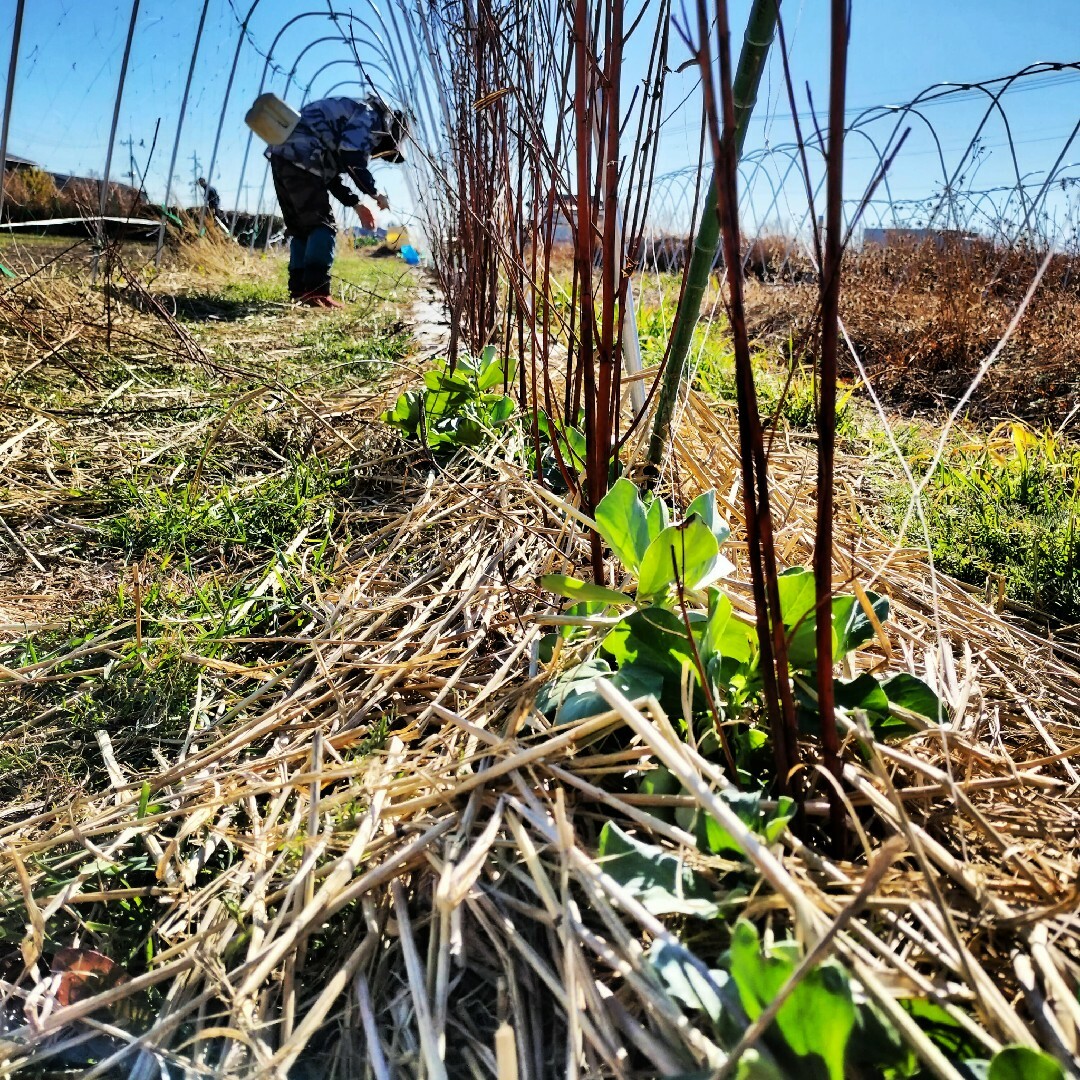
310, 259
305, 205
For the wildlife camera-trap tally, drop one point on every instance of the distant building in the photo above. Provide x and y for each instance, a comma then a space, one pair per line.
16, 163
562, 224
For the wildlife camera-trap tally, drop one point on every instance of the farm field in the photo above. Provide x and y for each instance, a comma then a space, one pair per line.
539, 541
252, 637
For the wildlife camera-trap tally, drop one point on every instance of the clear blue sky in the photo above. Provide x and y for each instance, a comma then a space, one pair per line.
71, 51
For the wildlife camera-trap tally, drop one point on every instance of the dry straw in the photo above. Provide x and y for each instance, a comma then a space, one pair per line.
434, 907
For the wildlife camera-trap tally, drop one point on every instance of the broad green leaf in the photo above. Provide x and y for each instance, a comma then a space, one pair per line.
622, 521
713, 838
576, 589
1023, 1063
573, 695
659, 781
462, 430
464, 363
818, 1015
876, 1047
663, 883
725, 636
651, 636
440, 382
913, 694
690, 983
491, 372
500, 411
851, 626
574, 441
864, 693
405, 415
942, 1029
797, 601
633, 681
656, 510
705, 508
578, 679
688, 550
796, 587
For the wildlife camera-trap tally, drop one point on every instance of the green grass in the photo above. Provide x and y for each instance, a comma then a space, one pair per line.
786, 390
270, 291
207, 517
350, 351
99, 673
1008, 510
262, 512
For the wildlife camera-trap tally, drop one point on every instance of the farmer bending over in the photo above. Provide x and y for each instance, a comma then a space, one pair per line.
334, 136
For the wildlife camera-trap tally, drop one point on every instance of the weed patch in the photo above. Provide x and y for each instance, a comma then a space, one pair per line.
786, 388
1008, 510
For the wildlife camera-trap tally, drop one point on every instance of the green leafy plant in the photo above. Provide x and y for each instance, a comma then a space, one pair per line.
456, 408
670, 625
826, 1028
562, 451
1005, 512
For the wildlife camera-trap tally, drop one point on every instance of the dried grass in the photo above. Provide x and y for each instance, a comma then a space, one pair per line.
923, 317
371, 854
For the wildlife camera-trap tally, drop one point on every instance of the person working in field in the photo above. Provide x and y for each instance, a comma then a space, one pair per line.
213, 201
334, 136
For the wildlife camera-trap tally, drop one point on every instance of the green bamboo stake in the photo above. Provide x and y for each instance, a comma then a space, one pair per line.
760, 29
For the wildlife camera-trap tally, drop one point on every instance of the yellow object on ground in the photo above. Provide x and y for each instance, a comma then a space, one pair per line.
397, 236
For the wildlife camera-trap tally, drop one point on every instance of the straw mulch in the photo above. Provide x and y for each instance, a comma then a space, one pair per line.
374, 857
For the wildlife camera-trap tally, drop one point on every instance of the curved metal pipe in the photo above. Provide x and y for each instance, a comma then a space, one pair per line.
334, 63
179, 129
262, 84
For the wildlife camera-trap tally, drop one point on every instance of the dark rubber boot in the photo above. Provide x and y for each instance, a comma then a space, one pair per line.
297, 287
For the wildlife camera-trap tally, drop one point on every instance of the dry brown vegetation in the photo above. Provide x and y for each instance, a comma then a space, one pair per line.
32, 194
923, 319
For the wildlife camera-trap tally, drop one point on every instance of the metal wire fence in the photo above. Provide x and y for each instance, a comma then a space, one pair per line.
930, 182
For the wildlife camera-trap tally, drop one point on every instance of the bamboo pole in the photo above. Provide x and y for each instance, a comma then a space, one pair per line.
760, 29
830, 336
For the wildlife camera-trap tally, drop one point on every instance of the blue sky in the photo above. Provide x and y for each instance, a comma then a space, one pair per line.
71, 51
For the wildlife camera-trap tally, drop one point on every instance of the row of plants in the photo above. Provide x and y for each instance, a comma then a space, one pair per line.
671, 631
1003, 509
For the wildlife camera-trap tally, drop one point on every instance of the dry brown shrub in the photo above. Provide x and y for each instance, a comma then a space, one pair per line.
33, 194
923, 318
